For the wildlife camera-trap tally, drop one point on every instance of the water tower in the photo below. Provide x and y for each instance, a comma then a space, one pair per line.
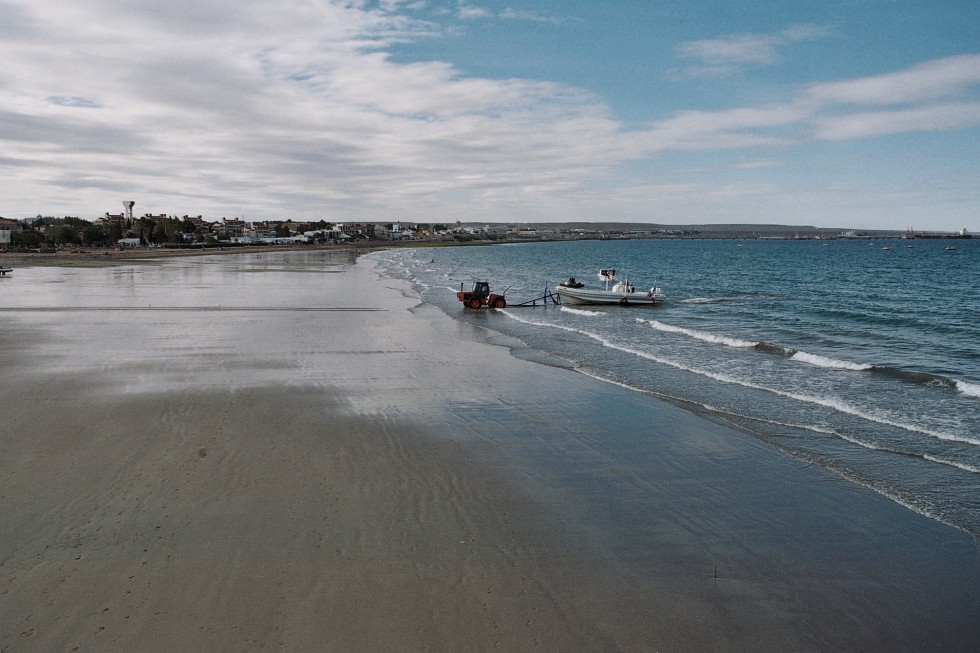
128, 208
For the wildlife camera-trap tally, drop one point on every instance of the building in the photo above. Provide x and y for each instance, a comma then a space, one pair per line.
198, 222
262, 231
355, 230
7, 227
233, 228
11, 225
114, 218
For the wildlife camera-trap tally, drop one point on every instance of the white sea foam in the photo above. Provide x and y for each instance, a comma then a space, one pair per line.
953, 463
561, 327
968, 389
832, 363
897, 497
579, 311
704, 336
720, 300
845, 407
708, 300
833, 403
860, 443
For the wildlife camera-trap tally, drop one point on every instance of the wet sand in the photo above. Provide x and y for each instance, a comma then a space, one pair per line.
344, 470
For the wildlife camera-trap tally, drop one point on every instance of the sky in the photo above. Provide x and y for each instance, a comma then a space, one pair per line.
838, 113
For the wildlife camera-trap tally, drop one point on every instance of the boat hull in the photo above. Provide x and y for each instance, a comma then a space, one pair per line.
608, 297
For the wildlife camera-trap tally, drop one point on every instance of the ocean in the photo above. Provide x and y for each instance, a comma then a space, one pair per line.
860, 356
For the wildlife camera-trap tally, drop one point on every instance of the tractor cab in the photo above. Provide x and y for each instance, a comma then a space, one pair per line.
481, 289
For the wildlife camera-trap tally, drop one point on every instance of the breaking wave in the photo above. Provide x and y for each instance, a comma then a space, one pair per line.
833, 403
699, 335
969, 389
832, 363
579, 311
818, 360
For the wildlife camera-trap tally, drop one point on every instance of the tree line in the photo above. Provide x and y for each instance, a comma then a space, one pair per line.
76, 231
67, 231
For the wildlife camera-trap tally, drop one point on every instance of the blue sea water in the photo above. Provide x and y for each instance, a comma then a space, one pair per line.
859, 356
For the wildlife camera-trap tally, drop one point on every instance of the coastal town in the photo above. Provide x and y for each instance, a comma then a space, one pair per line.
125, 230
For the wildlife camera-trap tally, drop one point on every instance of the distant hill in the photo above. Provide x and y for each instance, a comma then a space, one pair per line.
705, 230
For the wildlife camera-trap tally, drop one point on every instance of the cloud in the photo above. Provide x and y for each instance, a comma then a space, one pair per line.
469, 12
950, 76
14, 22
519, 14
728, 55
938, 95
300, 109
255, 106
937, 117
756, 164
737, 128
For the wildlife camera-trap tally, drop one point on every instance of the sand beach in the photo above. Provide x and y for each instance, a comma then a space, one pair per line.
287, 451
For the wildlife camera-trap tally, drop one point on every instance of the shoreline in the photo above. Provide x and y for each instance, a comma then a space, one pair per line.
353, 481
134, 256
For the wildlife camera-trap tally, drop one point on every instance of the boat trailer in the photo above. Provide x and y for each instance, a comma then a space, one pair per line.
547, 297
481, 297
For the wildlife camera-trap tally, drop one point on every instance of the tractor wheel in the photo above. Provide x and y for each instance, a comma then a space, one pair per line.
500, 302
475, 303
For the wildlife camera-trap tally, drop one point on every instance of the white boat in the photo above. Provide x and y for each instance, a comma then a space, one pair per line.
622, 293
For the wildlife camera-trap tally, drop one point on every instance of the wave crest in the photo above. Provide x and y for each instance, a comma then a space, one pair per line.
969, 389
832, 363
699, 335
579, 311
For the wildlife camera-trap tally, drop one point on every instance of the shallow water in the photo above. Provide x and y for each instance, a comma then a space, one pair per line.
859, 356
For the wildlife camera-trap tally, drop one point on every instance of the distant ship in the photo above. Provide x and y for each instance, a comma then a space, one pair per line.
853, 235
910, 234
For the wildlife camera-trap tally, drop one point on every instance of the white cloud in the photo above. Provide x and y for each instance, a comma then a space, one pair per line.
948, 77
520, 14
249, 104
935, 117
721, 130
728, 55
299, 109
938, 95
469, 12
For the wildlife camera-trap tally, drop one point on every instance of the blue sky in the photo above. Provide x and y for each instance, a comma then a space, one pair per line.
860, 114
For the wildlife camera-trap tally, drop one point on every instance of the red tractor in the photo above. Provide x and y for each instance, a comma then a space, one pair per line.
480, 296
